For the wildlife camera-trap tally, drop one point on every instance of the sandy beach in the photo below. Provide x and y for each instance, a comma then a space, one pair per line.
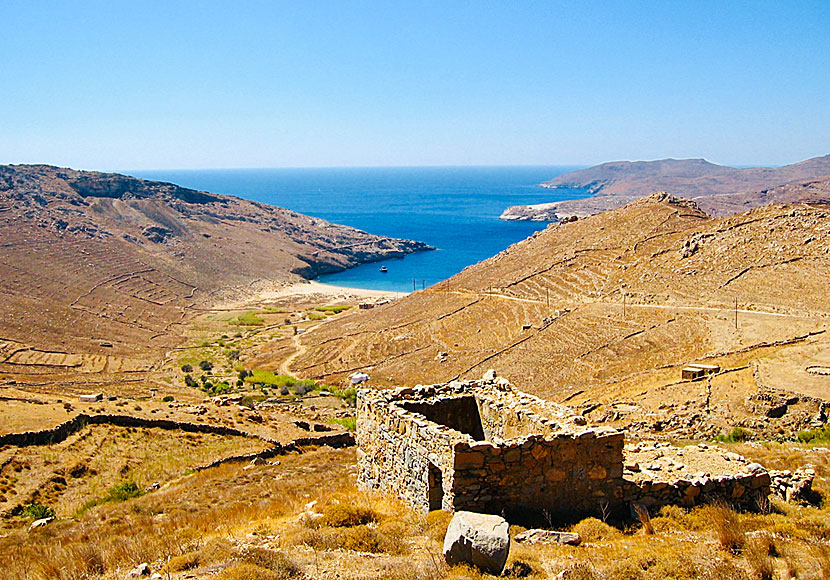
312, 287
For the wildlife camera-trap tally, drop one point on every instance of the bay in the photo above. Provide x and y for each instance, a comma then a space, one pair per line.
455, 209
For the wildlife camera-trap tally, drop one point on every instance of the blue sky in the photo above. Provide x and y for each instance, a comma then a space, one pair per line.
157, 85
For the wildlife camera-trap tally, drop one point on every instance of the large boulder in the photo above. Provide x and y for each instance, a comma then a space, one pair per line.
478, 539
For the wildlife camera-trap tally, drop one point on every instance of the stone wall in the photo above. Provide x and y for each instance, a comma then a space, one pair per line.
746, 491
482, 447
557, 476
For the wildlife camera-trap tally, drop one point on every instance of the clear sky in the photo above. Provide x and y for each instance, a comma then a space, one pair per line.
177, 84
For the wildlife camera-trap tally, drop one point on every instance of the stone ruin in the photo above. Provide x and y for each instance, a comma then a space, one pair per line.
485, 447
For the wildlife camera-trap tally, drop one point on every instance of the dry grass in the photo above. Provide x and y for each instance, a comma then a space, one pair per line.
247, 523
759, 553
248, 572
594, 530
340, 515
727, 526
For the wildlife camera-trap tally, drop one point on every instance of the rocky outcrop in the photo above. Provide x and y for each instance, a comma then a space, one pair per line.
477, 539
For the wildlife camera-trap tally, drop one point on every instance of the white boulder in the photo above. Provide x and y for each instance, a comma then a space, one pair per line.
478, 539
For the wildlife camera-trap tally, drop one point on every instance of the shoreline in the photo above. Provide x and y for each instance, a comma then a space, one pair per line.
309, 287
272, 292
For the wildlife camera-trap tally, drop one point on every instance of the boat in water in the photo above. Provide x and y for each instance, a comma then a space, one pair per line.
384, 269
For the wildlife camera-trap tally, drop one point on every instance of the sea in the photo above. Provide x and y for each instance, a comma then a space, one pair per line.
454, 209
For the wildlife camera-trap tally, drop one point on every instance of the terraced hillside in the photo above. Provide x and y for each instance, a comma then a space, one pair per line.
99, 269
606, 311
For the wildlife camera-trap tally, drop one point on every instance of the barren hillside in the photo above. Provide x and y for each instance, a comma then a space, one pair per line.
607, 310
721, 190
98, 268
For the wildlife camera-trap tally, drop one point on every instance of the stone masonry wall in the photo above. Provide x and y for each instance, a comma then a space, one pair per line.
396, 450
560, 476
482, 446
405, 448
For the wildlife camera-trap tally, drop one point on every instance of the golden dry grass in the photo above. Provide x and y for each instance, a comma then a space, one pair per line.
234, 523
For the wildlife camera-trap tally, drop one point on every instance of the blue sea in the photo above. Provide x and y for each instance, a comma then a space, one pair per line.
455, 209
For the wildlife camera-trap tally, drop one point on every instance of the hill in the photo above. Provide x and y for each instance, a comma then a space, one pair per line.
614, 184
606, 311
97, 267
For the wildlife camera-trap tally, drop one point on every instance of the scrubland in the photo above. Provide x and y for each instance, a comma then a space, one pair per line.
305, 518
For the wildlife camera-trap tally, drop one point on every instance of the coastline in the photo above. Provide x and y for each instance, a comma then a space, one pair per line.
310, 287
303, 289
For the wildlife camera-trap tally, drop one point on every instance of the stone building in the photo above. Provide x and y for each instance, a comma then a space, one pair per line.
485, 447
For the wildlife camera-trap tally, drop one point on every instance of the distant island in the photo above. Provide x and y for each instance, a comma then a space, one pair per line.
719, 190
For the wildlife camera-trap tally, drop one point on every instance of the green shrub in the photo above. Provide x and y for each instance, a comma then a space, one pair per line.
821, 435
260, 377
168, 399
37, 511
205, 365
349, 423
249, 318
187, 368
736, 435
315, 316
349, 395
116, 494
122, 492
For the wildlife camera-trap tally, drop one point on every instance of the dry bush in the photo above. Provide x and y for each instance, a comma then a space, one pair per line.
725, 571
248, 572
594, 530
676, 564
340, 515
317, 538
463, 572
625, 570
670, 517
581, 571
757, 552
270, 560
366, 539
184, 562
436, 524
396, 531
215, 550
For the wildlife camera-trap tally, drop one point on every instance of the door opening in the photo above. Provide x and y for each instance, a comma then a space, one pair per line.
436, 488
